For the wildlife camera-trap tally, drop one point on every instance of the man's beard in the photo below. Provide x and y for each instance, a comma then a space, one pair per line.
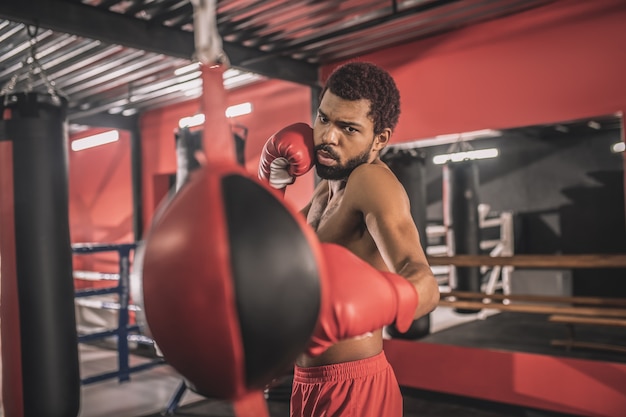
339, 172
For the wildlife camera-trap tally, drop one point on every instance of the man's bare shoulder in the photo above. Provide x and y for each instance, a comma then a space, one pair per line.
372, 175
374, 183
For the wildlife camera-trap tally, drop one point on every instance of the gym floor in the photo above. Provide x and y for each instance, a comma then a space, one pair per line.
149, 392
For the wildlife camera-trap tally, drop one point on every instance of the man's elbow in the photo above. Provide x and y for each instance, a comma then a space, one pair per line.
432, 295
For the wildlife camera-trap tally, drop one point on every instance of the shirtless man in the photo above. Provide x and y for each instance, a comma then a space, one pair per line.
361, 206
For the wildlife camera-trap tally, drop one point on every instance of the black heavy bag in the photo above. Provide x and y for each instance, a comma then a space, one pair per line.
461, 180
408, 166
39, 341
187, 144
240, 136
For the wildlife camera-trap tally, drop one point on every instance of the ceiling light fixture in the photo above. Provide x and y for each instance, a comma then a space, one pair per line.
191, 121
618, 147
95, 140
474, 134
239, 109
464, 156
232, 111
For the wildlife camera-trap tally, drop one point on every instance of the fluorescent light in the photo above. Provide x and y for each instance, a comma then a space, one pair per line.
192, 121
462, 156
618, 147
232, 111
239, 110
449, 138
95, 140
474, 134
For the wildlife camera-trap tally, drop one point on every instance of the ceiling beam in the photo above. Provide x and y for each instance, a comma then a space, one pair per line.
93, 23
113, 121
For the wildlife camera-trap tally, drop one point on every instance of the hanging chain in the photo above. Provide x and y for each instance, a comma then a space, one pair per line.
33, 66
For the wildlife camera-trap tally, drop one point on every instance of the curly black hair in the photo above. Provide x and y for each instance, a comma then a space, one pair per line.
364, 80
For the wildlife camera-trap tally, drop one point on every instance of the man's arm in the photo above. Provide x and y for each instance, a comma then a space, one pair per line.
379, 196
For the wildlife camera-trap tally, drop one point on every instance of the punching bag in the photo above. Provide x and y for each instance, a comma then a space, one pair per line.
39, 340
187, 144
232, 295
240, 137
461, 215
408, 166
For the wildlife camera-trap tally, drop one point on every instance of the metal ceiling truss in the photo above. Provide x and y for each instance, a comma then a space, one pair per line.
120, 56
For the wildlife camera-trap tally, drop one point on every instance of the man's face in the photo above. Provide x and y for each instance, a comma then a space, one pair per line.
343, 135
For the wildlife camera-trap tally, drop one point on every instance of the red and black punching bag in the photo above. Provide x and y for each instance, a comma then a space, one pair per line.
39, 340
231, 282
232, 277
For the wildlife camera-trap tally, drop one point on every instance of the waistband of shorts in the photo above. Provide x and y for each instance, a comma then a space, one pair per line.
341, 371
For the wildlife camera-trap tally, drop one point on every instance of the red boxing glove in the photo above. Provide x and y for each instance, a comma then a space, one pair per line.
286, 155
359, 300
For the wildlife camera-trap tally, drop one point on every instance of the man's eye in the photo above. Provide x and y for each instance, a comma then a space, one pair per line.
350, 129
323, 119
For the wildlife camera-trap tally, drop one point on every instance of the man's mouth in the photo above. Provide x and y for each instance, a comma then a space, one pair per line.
326, 158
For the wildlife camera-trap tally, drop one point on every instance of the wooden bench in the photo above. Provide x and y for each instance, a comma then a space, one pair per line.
571, 321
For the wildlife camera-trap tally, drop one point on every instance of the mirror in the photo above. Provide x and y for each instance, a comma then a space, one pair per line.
546, 189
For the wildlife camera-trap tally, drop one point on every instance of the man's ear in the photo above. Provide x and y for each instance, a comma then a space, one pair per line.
382, 139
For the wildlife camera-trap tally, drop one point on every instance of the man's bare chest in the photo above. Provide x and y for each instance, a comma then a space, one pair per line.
332, 219
321, 211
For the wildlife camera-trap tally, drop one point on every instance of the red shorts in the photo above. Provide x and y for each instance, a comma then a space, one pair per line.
363, 388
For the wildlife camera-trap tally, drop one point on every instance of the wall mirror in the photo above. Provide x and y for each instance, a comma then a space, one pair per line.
548, 189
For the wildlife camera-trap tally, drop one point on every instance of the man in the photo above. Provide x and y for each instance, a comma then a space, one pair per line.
361, 206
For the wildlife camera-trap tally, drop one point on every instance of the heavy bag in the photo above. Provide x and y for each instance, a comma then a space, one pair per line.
461, 180
187, 144
39, 339
408, 166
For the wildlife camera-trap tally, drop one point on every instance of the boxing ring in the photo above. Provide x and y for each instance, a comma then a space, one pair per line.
124, 330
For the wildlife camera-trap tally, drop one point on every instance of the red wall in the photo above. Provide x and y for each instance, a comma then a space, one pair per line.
275, 104
100, 199
565, 385
559, 62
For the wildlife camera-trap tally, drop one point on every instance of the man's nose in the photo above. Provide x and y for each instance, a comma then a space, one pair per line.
330, 135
